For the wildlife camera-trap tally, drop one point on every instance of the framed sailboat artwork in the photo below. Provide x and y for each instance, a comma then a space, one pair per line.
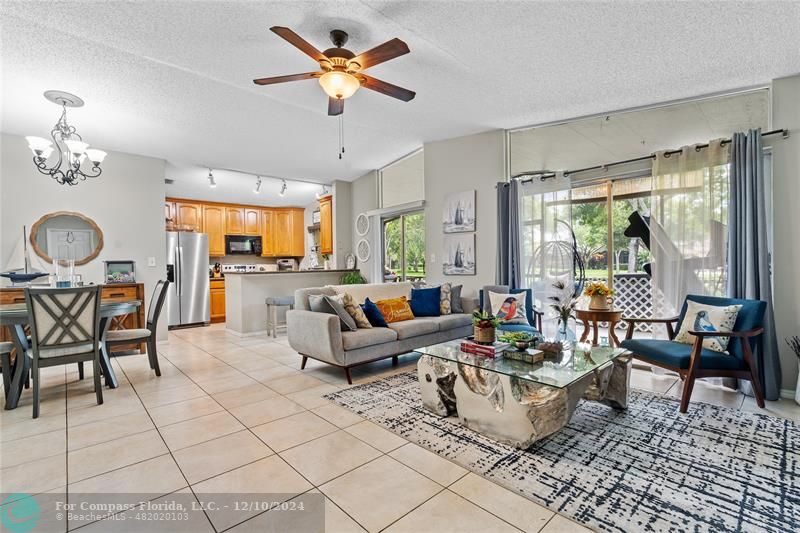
459, 255
458, 214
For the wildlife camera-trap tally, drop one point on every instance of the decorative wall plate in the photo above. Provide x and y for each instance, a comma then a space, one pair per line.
350, 261
362, 224
363, 250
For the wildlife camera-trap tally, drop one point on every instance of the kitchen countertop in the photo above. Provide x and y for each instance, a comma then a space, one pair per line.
318, 271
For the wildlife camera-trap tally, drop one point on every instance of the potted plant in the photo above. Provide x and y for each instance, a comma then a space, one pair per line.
483, 326
794, 344
353, 278
563, 304
599, 294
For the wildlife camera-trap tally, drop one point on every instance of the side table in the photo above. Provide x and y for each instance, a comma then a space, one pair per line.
594, 317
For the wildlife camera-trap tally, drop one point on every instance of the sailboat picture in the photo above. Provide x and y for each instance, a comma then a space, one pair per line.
459, 212
459, 255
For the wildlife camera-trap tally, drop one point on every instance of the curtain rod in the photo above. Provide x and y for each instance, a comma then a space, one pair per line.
548, 174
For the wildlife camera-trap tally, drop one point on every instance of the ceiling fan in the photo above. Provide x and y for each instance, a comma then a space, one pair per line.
342, 71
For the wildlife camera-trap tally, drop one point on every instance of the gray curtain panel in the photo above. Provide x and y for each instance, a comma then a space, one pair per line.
509, 256
748, 256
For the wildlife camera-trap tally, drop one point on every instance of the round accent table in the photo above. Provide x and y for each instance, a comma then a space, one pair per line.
595, 316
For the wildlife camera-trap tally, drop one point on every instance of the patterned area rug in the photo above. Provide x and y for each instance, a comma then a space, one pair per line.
647, 469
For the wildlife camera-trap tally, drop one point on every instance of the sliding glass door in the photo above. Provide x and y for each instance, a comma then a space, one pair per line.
404, 247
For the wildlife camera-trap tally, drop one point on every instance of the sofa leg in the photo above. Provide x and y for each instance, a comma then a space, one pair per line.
394, 361
347, 375
303, 362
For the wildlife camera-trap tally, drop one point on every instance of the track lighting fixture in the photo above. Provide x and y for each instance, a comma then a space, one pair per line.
283, 188
323, 193
258, 185
211, 182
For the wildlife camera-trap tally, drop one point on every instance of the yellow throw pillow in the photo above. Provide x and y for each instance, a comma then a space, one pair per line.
355, 311
395, 309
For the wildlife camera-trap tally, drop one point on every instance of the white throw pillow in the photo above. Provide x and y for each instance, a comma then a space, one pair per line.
704, 317
509, 308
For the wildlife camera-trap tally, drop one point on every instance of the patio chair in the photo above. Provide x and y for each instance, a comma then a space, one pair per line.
533, 315
692, 361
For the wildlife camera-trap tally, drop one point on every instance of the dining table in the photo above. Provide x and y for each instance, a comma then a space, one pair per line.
15, 316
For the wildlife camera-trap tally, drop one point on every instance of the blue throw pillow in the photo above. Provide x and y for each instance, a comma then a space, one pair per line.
374, 314
426, 302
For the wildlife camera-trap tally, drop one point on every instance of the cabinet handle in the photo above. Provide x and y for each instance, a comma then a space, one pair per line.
19, 300
116, 295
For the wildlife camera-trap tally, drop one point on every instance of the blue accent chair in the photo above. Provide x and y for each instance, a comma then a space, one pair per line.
534, 317
694, 361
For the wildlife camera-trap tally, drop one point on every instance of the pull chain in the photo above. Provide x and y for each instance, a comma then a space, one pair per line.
341, 135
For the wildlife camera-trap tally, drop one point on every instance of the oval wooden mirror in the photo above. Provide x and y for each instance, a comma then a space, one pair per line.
66, 235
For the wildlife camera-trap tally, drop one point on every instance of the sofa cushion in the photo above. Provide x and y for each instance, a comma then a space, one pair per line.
453, 321
413, 328
361, 338
455, 299
355, 311
373, 314
301, 296
395, 309
677, 355
427, 302
322, 303
374, 291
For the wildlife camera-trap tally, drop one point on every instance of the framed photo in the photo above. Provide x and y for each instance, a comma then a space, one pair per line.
120, 271
315, 217
459, 255
458, 213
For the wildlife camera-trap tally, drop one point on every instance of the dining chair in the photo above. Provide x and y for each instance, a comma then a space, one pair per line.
148, 335
533, 315
65, 329
5, 364
693, 361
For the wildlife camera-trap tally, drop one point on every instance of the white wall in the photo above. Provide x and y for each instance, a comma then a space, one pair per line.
126, 202
342, 223
472, 162
363, 198
786, 194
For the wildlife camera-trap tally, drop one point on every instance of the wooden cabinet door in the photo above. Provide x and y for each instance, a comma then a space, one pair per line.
283, 233
189, 215
169, 213
267, 232
298, 244
214, 224
326, 225
234, 220
252, 221
217, 305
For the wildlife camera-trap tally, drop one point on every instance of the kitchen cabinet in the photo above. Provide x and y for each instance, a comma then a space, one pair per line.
234, 221
268, 232
283, 232
252, 221
298, 245
189, 215
214, 224
217, 299
326, 225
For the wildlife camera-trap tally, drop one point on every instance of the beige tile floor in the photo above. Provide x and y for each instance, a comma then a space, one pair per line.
237, 415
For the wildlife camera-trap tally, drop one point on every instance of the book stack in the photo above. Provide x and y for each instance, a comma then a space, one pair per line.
486, 350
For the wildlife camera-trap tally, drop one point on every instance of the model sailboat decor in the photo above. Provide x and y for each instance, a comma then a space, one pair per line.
459, 255
19, 268
459, 212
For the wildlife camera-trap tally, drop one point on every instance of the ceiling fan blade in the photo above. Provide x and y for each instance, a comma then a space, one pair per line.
382, 52
335, 106
388, 89
283, 79
300, 43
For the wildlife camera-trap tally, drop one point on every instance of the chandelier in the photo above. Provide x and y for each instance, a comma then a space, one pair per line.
72, 151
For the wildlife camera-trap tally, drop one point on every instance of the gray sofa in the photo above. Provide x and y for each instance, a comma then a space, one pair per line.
319, 336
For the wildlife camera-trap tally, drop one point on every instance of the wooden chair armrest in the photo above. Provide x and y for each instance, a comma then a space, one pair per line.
742, 334
651, 320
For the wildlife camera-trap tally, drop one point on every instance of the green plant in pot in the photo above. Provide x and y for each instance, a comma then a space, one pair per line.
519, 339
483, 326
353, 278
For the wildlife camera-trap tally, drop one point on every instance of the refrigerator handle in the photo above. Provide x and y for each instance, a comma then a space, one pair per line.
178, 269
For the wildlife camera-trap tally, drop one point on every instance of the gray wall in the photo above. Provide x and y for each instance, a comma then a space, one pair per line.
472, 162
126, 201
342, 223
363, 198
786, 193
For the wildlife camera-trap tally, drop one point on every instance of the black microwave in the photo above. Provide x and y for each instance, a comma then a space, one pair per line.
242, 244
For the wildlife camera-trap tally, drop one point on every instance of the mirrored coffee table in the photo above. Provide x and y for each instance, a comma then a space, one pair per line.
516, 402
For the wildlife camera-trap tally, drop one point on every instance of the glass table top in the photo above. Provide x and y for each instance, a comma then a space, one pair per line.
571, 365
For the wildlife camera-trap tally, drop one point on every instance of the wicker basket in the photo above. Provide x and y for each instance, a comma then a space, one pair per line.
483, 335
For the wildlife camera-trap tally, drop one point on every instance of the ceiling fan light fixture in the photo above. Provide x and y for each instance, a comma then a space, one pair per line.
338, 84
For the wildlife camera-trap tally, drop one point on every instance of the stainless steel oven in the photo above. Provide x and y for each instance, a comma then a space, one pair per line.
242, 245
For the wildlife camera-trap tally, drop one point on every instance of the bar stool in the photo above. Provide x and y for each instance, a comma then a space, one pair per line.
273, 303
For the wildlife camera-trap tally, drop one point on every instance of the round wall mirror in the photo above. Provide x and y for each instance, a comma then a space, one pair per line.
65, 235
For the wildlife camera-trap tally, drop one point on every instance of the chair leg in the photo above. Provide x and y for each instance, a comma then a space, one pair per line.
303, 362
688, 385
98, 385
347, 375
152, 354
35, 372
5, 363
80, 370
394, 361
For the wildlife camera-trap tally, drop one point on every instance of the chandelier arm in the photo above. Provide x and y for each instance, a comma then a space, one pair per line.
59, 148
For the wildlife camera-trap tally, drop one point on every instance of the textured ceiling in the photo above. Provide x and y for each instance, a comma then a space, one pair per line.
174, 79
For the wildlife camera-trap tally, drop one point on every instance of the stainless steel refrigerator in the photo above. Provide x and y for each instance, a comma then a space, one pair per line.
187, 270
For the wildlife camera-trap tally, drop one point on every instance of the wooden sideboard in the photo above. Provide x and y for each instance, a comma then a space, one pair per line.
132, 291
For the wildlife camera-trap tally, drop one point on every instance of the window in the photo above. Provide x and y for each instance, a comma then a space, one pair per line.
404, 247
403, 181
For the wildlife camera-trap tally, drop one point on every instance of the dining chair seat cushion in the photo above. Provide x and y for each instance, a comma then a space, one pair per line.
118, 335
678, 355
6, 347
46, 353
